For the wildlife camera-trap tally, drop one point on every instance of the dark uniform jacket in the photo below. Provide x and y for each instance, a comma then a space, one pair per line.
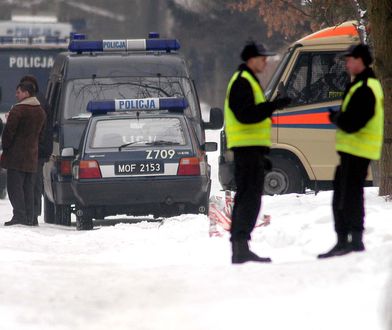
21, 136
360, 109
242, 102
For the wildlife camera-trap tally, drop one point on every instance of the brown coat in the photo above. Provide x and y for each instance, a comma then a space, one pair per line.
21, 135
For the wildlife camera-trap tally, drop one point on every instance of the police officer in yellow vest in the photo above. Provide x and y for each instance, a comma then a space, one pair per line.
248, 134
359, 139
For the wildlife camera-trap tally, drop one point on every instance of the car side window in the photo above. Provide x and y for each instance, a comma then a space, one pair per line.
317, 77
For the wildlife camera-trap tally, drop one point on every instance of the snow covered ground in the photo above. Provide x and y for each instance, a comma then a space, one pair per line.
173, 276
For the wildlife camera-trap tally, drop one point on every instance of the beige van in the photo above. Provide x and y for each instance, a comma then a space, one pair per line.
312, 72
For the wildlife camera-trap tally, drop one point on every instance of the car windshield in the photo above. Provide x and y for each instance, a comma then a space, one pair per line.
277, 75
133, 132
80, 91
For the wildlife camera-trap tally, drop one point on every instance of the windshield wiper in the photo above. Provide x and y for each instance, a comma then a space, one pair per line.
162, 143
82, 116
131, 143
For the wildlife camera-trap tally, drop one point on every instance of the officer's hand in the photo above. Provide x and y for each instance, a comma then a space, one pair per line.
333, 115
282, 102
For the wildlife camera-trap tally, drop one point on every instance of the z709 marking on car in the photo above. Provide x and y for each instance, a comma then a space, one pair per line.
160, 154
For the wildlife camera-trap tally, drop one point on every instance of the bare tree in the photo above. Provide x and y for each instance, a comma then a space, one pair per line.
381, 30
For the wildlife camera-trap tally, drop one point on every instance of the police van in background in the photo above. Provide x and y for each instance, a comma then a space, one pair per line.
312, 72
28, 46
102, 70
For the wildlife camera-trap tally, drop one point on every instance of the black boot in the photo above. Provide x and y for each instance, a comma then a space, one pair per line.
241, 253
341, 248
356, 241
13, 222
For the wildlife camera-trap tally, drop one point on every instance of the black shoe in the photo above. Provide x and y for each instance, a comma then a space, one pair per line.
338, 250
13, 222
356, 241
242, 254
35, 222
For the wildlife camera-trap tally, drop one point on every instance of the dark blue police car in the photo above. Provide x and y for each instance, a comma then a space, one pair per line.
140, 157
115, 69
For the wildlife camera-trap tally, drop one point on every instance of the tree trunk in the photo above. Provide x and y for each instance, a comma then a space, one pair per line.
381, 31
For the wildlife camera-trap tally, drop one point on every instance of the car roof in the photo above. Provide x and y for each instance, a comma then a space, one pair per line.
106, 65
345, 33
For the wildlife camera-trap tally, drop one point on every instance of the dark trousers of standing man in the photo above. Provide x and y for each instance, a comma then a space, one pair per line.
20, 193
348, 200
249, 179
38, 184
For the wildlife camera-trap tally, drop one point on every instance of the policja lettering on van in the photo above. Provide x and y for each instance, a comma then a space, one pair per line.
22, 62
114, 45
137, 104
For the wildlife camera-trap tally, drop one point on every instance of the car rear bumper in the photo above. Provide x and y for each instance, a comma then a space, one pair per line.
142, 196
63, 193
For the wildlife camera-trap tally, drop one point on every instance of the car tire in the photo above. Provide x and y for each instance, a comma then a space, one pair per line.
48, 211
62, 215
84, 220
285, 177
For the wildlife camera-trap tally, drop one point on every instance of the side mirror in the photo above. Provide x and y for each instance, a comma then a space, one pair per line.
68, 152
210, 146
216, 119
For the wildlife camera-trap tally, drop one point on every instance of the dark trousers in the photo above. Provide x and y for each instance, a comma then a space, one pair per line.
249, 178
20, 193
348, 200
38, 187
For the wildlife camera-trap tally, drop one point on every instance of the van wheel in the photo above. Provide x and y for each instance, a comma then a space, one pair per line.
84, 219
284, 178
48, 210
62, 215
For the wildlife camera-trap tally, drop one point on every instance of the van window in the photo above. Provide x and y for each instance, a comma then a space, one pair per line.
317, 77
80, 91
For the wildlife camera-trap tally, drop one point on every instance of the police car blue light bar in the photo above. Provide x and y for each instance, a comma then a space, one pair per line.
118, 105
32, 40
80, 46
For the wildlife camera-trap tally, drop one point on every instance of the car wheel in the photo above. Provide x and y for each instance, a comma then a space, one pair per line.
285, 177
84, 220
3, 193
63, 215
48, 211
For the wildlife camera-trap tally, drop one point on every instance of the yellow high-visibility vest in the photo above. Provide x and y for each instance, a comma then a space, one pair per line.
367, 142
246, 135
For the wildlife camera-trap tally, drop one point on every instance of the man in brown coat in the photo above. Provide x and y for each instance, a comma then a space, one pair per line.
21, 136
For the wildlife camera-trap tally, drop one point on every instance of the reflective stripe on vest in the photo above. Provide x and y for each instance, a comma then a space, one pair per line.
245, 135
367, 142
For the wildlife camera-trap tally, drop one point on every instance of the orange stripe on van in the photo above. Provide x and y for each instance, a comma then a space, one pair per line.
334, 32
312, 118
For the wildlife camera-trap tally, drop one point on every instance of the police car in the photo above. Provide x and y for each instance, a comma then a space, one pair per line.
112, 69
140, 157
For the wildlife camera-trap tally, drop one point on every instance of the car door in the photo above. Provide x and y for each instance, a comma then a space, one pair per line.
315, 83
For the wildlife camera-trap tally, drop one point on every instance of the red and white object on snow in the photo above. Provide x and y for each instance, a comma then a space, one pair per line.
220, 210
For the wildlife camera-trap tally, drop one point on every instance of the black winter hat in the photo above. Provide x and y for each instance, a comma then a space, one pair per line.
252, 49
360, 51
